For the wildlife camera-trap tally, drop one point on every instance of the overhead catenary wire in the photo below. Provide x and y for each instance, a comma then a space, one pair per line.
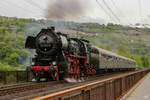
3, 11
32, 3
105, 11
141, 14
4, 7
118, 9
140, 10
20, 7
111, 11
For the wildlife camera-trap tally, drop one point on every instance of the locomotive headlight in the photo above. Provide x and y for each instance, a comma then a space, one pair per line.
54, 63
32, 63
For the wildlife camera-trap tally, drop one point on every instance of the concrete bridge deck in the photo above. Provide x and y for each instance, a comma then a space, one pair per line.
141, 91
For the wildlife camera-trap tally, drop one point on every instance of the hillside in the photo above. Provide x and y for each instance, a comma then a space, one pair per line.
12, 42
130, 42
124, 40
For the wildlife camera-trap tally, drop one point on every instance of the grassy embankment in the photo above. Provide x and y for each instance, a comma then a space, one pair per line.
126, 41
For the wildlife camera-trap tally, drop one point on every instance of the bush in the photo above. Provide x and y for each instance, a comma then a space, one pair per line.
6, 67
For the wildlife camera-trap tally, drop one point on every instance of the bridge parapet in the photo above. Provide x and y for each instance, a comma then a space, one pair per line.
108, 89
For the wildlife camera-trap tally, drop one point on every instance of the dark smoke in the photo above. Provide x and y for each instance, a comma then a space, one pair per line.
66, 9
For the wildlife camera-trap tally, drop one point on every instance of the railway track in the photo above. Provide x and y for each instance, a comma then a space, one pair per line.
12, 89
12, 85
31, 90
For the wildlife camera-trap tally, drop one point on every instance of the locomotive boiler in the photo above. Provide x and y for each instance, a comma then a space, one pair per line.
61, 57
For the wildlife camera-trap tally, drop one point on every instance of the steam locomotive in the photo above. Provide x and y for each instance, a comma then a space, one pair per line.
61, 57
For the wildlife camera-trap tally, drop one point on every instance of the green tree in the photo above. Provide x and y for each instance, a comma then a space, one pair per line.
145, 61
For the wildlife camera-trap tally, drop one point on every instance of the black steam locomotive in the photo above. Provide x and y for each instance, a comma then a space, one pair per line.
58, 57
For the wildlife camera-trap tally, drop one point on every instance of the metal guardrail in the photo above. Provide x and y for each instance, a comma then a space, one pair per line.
108, 89
9, 77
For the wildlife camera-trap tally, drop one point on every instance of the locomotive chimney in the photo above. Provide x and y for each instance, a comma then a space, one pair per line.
52, 28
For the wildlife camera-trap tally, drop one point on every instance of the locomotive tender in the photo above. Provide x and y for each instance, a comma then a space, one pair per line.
59, 56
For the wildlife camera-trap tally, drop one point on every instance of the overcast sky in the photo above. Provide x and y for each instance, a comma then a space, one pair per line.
127, 11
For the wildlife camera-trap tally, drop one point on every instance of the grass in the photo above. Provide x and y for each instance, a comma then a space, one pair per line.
129, 42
